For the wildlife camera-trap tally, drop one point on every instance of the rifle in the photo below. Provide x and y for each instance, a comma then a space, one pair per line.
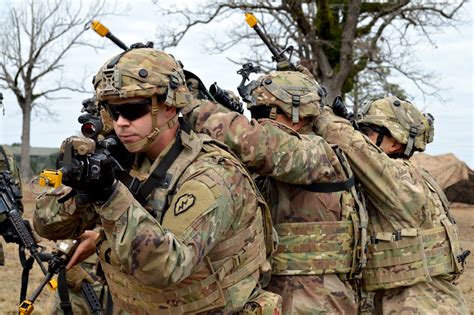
16, 230
57, 262
223, 97
283, 62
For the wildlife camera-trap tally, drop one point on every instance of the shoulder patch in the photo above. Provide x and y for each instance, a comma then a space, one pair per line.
184, 203
192, 200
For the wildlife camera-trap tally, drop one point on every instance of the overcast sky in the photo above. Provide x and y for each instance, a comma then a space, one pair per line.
452, 59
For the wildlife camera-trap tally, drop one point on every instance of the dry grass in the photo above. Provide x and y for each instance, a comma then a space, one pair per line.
11, 272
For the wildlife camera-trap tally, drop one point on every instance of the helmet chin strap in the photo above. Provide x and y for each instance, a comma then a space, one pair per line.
145, 143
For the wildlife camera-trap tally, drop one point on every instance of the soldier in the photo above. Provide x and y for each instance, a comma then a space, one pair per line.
414, 256
8, 163
190, 238
317, 224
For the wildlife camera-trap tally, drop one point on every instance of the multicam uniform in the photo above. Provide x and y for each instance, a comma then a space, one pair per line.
198, 244
414, 253
317, 231
209, 213
8, 163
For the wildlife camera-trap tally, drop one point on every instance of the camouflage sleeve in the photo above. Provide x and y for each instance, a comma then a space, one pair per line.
15, 170
389, 183
56, 221
268, 150
163, 254
13, 166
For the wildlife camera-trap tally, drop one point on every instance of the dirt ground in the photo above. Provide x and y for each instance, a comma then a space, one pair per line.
10, 274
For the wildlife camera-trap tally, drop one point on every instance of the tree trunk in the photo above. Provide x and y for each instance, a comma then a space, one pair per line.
333, 88
25, 164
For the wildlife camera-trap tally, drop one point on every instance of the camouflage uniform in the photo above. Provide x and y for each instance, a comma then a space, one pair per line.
317, 231
198, 244
414, 254
8, 163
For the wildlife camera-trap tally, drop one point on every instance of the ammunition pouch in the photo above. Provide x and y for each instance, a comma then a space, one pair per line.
312, 248
229, 262
410, 256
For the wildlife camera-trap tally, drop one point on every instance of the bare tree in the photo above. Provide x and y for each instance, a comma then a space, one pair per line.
35, 37
352, 47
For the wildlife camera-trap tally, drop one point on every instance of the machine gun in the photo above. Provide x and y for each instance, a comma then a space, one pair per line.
283, 62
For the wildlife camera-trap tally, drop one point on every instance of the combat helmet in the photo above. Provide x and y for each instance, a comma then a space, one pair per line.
143, 72
290, 92
402, 119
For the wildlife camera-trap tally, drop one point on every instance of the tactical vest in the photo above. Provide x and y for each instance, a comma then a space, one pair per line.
412, 255
324, 247
231, 262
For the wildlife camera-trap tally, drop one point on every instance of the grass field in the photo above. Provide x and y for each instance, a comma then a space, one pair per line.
10, 274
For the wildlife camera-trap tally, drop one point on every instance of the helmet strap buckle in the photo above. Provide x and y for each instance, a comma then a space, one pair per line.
411, 141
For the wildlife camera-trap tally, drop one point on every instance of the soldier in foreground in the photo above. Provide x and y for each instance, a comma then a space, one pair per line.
190, 238
414, 256
318, 225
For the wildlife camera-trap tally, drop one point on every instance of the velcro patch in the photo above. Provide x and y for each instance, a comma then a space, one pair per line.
184, 202
193, 200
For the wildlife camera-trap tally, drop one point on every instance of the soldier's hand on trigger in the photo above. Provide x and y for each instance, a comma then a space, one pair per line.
85, 249
92, 187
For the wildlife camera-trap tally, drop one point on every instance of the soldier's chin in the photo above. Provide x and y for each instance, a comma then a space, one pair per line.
135, 147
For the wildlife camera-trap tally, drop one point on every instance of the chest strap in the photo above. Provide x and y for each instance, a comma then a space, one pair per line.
329, 187
142, 189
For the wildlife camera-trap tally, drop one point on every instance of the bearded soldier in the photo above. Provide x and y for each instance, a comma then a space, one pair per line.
414, 255
318, 225
184, 232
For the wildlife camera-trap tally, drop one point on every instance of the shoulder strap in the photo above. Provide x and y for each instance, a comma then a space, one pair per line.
336, 186
158, 178
329, 187
430, 180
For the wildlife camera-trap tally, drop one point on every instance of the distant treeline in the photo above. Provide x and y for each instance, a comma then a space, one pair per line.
41, 158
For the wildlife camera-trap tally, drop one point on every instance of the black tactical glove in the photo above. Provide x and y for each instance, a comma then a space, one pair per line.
93, 178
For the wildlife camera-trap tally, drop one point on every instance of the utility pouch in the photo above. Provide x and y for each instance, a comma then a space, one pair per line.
264, 303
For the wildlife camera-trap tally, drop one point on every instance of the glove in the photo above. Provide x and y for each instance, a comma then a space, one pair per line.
93, 179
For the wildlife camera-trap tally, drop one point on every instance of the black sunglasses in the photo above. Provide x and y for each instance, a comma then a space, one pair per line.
129, 111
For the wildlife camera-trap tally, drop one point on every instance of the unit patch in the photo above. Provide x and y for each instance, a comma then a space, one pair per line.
184, 202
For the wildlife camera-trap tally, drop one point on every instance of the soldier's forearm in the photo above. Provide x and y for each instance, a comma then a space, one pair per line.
387, 181
54, 220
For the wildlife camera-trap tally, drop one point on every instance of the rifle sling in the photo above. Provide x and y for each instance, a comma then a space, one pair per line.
329, 187
63, 293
